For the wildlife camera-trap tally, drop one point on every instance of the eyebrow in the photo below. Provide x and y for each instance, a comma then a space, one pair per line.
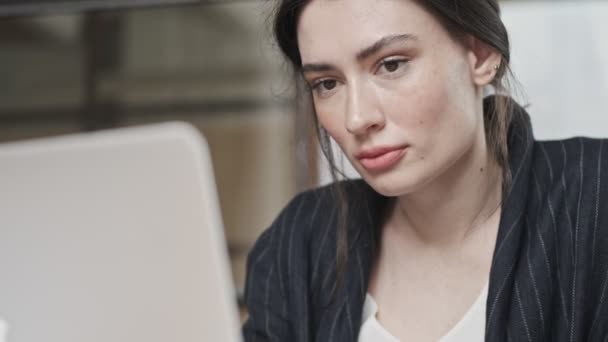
382, 43
317, 67
364, 53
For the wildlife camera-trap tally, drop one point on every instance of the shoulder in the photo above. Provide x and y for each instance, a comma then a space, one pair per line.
578, 157
309, 222
280, 258
306, 214
573, 145
571, 178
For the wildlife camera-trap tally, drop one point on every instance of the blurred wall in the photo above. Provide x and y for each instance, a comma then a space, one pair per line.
211, 65
559, 56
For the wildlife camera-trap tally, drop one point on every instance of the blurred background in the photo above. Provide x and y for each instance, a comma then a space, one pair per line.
74, 65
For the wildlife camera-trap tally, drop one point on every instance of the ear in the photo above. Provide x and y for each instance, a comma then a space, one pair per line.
484, 61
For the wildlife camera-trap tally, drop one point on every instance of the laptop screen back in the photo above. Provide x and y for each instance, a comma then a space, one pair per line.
113, 236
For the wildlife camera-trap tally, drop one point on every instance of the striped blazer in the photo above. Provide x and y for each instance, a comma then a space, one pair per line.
549, 273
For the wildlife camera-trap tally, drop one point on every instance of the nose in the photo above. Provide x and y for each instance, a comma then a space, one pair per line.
363, 113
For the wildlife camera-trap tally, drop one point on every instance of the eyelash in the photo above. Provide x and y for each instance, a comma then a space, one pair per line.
401, 61
317, 83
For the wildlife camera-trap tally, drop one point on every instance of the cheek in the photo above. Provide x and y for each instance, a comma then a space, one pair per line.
332, 121
418, 107
433, 95
431, 112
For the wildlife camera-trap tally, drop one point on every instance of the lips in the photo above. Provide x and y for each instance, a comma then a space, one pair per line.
382, 158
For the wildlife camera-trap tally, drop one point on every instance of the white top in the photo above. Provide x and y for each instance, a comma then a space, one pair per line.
471, 328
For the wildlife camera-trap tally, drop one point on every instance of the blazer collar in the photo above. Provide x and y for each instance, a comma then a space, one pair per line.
511, 227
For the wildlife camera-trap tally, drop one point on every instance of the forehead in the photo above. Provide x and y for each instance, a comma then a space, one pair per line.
331, 28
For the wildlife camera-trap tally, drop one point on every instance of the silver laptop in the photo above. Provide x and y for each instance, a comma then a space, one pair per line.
113, 236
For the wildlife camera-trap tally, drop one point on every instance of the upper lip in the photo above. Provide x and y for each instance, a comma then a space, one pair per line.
378, 151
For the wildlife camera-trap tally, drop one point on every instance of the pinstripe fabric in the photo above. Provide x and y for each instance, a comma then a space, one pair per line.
549, 275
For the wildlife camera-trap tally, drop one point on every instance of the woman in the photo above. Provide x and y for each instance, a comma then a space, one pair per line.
463, 227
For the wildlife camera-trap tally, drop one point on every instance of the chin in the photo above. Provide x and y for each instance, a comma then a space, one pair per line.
393, 184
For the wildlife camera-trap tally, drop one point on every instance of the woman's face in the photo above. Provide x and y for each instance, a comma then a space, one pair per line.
392, 87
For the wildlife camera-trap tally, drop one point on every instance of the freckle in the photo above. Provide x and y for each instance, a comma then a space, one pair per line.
421, 122
481, 170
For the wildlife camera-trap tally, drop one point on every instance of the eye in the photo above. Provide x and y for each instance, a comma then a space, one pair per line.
323, 87
327, 84
392, 65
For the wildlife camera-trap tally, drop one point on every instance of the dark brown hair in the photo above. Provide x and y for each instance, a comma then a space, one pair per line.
460, 18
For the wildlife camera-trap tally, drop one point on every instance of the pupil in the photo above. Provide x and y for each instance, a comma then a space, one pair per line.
391, 66
329, 84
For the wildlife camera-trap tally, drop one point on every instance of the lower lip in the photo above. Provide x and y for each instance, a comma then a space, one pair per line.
384, 161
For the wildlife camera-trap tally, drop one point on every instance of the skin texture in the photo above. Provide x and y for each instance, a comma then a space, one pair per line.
386, 73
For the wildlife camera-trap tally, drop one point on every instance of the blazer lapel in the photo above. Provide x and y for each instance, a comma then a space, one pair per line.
341, 320
511, 228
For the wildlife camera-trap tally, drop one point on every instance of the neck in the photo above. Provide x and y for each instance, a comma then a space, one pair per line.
449, 210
